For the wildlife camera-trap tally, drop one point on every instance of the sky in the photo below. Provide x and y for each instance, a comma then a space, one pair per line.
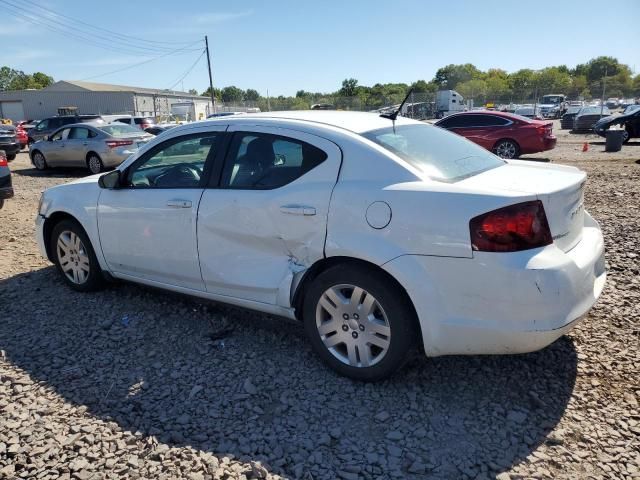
282, 46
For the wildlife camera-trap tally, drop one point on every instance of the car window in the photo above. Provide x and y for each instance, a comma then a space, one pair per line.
177, 163
78, 133
123, 120
439, 154
43, 125
67, 121
120, 130
60, 135
489, 121
455, 121
262, 161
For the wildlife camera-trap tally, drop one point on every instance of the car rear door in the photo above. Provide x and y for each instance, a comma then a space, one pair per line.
267, 217
148, 227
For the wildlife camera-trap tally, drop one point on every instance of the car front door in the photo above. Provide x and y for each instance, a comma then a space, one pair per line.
77, 145
268, 218
55, 149
148, 226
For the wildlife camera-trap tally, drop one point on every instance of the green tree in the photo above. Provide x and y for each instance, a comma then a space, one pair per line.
216, 93
251, 95
450, 76
348, 87
523, 83
231, 94
193, 91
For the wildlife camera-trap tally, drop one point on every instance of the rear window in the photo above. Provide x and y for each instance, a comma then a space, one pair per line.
439, 154
120, 130
138, 121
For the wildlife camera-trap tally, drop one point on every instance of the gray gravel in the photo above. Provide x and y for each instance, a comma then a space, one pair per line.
133, 382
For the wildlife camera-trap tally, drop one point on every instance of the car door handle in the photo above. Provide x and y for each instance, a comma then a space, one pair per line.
179, 203
298, 210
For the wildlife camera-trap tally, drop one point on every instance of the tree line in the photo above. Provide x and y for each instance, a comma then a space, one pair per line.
586, 80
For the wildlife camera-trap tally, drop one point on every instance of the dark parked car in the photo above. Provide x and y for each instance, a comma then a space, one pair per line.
9, 141
587, 117
6, 190
47, 126
506, 134
630, 122
566, 122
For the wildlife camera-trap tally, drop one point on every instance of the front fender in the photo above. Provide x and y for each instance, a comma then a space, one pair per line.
78, 200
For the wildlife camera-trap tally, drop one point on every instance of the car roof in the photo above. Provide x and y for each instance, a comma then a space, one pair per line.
357, 122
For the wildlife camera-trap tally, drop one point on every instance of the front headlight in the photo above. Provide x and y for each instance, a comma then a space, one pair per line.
43, 205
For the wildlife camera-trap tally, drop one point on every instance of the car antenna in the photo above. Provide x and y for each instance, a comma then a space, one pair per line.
394, 115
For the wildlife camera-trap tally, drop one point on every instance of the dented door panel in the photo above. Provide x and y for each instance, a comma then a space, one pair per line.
251, 243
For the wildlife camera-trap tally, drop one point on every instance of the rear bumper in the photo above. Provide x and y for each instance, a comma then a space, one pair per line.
502, 303
10, 148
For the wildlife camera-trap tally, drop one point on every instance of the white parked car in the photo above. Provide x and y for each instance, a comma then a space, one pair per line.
379, 236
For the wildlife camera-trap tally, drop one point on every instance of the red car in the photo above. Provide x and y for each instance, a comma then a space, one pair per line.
505, 134
21, 135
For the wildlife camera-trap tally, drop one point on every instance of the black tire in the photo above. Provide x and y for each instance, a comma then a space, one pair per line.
11, 157
1, 203
399, 313
39, 161
94, 280
627, 137
94, 163
507, 145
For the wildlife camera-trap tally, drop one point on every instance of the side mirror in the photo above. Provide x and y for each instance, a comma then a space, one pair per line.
110, 180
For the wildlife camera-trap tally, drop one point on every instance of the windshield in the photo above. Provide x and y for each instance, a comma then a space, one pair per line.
439, 154
594, 110
120, 130
551, 99
573, 109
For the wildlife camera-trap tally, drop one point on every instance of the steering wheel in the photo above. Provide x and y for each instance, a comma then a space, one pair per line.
179, 174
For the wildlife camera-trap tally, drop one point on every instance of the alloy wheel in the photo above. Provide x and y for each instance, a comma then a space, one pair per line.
506, 149
39, 161
353, 326
95, 165
73, 257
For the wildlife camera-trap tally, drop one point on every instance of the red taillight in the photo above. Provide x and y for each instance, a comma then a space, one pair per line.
118, 143
510, 229
3, 160
544, 130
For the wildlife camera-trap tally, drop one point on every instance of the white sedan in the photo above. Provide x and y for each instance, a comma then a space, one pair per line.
379, 236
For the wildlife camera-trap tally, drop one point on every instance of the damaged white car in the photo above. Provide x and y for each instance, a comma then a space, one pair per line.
379, 234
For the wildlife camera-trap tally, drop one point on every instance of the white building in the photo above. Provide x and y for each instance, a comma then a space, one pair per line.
95, 98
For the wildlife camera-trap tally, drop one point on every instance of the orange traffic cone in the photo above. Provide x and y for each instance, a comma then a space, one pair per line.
585, 147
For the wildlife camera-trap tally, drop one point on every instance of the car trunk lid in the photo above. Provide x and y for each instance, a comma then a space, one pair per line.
560, 188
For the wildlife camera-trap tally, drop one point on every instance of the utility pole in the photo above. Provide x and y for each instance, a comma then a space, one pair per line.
604, 86
213, 98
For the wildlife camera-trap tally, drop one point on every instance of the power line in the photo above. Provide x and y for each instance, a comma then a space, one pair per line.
189, 70
63, 29
141, 63
153, 43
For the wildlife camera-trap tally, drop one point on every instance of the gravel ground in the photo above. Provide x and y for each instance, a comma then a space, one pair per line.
136, 383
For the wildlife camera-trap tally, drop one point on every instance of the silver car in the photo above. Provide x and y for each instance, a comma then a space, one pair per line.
95, 146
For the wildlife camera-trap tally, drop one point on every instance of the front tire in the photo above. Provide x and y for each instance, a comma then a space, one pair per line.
74, 257
358, 322
39, 161
507, 149
94, 163
626, 136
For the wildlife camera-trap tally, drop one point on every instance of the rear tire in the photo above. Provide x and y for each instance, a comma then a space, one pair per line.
11, 157
358, 322
626, 137
94, 164
74, 257
507, 149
